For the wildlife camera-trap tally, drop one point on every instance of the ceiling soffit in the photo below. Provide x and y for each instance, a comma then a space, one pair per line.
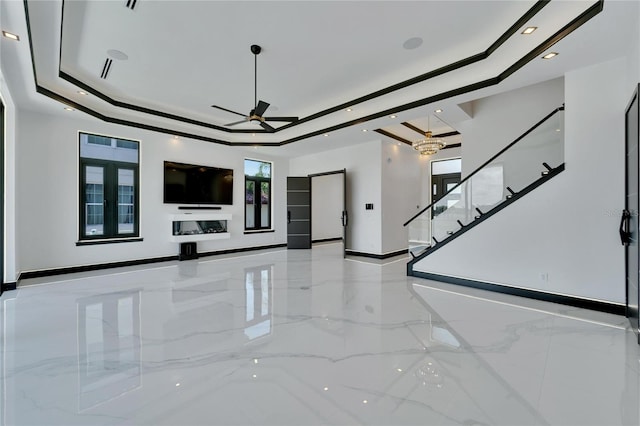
55, 78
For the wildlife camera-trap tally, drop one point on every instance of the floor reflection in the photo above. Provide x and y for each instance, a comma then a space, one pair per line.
305, 337
108, 347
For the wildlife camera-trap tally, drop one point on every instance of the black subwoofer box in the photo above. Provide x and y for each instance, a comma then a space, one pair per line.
188, 251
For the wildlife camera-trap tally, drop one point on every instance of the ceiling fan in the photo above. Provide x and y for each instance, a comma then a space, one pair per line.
260, 107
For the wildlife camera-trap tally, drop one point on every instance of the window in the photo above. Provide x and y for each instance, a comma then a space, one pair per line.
257, 206
108, 187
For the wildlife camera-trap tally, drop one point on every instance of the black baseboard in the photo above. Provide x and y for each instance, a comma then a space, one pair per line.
99, 266
377, 256
94, 267
242, 250
326, 240
9, 286
595, 305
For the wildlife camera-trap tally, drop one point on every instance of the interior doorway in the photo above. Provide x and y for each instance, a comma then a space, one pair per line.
329, 207
317, 209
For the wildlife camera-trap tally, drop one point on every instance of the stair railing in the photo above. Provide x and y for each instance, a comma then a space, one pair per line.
535, 154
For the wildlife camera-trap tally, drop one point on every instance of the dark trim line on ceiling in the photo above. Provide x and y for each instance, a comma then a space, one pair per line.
408, 142
576, 23
592, 11
414, 128
453, 145
537, 7
393, 136
422, 132
595, 305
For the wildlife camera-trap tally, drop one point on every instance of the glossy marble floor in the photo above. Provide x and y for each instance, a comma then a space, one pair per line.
304, 338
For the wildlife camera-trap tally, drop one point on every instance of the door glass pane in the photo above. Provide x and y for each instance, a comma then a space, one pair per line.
257, 168
445, 167
94, 200
265, 201
126, 204
249, 209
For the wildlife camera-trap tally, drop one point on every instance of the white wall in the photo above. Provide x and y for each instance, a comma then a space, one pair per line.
362, 163
47, 187
10, 260
633, 57
402, 186
567, 228
498, 120
327, 199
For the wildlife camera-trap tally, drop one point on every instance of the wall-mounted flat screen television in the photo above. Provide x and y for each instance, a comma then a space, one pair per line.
193, 184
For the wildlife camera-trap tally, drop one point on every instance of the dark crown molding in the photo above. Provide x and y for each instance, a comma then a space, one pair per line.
566, 30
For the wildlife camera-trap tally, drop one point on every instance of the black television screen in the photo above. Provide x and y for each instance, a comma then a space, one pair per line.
193, 184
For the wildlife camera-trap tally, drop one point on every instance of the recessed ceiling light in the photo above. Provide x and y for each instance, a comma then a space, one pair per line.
365, 401
550, 55
438, 111
412, 43
177, 385
364, 130
348, 110
11, 36
326, 388
392, 116
69, 109
529, 30
117, 54
326, 135
255, 375
255, 360
81, 92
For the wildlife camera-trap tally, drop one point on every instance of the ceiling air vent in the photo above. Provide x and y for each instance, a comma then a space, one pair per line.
106, 68
131, 4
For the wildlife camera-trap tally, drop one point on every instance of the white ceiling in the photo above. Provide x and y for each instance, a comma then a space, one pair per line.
184, 56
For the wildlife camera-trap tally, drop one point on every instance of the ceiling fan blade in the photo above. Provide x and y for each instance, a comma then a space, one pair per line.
287, 119
236, 122
228, 110
261, 108
267, 127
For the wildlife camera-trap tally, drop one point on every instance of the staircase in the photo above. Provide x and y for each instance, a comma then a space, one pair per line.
526, 163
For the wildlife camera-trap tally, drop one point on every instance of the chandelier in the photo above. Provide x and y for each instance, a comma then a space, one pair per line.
428, 145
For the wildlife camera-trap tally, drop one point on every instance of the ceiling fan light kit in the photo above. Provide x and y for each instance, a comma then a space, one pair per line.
256, 115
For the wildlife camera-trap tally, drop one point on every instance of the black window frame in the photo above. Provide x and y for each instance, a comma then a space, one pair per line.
110, 191
257, 182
